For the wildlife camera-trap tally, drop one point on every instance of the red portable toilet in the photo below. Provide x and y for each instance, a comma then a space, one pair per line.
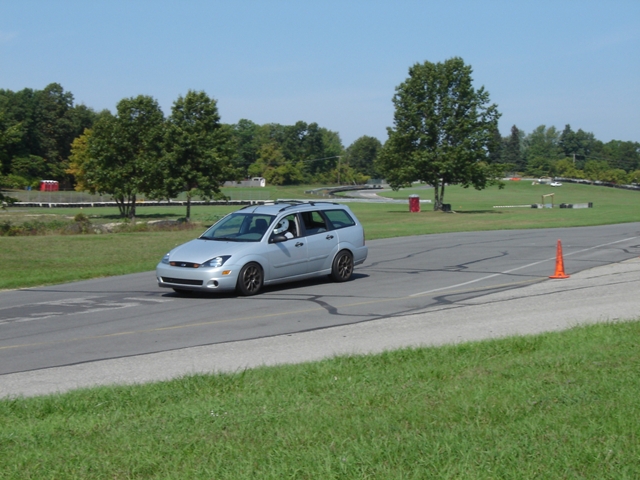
414, 203
48, 185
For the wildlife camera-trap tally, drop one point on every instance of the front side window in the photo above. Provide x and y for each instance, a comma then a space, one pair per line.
239, 227
287, 226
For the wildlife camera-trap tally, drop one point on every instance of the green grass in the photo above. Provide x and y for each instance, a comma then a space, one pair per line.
557, 405
93, 255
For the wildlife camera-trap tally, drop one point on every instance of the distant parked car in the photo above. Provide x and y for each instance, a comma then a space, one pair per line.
267, 244
555, 184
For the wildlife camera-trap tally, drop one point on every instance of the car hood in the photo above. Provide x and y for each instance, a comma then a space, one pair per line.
199, 251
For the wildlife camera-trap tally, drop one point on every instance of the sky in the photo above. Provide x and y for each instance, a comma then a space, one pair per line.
336, 63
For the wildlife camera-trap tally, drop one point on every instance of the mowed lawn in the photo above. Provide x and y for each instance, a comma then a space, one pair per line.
50, 259
556, 405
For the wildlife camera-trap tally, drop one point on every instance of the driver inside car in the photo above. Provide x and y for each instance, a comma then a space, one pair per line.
282, 228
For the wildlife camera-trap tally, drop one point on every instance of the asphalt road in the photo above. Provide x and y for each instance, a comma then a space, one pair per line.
411, 291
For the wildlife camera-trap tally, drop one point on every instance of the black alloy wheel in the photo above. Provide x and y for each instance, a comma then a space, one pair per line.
250, 279
342, 268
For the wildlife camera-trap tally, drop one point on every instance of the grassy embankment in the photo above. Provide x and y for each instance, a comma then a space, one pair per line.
37, 260
558, 405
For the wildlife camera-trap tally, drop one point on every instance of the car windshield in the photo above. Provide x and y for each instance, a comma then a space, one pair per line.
239, 227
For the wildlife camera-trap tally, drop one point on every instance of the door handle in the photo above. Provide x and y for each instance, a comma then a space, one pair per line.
299, 244
329, 237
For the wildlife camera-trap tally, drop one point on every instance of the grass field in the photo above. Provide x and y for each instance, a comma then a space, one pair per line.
558, 405
122, 253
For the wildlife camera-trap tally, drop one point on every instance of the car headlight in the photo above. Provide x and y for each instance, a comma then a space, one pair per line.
165, 259
216, 262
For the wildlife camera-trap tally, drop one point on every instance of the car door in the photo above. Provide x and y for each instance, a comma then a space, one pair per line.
288, 258
321, 241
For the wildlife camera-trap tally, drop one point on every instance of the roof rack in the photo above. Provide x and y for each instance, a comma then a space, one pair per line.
294, 203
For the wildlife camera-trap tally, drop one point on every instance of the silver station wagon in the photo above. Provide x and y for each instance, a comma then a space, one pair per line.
267, 244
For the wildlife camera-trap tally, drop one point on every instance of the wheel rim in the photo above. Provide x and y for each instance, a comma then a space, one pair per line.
345, 266
252, 279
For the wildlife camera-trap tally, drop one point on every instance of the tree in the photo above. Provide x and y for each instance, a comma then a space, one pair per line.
32, 168
125, 153
443, 132
10, 135
274, 167
46, 122
566, 168
624, 155
361, 155
512, 149
543, 142
596, 170
79, 160
577, 145
197, 148
246, 141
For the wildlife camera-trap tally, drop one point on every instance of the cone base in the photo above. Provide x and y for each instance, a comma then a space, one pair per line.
559, 276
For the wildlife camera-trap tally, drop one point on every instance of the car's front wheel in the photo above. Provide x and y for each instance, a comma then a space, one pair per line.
250, 279
342, 267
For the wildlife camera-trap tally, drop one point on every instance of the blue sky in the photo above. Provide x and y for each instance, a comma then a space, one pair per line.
336, 63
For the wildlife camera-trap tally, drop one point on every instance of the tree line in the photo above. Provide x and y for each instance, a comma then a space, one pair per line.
574, 154
444, 132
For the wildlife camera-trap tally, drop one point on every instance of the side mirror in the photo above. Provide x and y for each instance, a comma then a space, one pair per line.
277, 239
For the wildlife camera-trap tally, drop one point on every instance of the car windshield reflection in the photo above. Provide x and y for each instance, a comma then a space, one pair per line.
239, 227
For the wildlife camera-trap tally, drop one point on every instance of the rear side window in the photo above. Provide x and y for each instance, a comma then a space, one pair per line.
314, 222
339, 218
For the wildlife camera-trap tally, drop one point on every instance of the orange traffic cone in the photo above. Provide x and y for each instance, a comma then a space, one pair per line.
559, 264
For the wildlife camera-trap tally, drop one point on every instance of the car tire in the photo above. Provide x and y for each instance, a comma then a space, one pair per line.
342, 267
250, 279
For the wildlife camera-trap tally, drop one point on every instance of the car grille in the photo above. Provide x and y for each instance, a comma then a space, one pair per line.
181, 281
184, 264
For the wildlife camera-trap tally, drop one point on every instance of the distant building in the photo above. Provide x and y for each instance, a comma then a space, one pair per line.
248, 182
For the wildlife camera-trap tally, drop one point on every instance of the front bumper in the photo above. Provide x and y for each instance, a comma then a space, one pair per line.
198, 279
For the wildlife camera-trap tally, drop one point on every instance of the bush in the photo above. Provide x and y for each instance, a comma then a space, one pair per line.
81, 218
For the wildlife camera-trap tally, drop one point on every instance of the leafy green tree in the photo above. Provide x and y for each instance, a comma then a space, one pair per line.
596, 170
10, 135
246, 138
633, 177
622, 155
541, 167
577, 145
615, 175
198, 148
361, 155
275, 168
125, 153
32, 168
47, 122
512, 149
79, 161
443, 132
543, 142
566, 168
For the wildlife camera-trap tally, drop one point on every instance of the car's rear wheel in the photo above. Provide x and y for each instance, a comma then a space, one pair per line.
250, 279
342, 267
